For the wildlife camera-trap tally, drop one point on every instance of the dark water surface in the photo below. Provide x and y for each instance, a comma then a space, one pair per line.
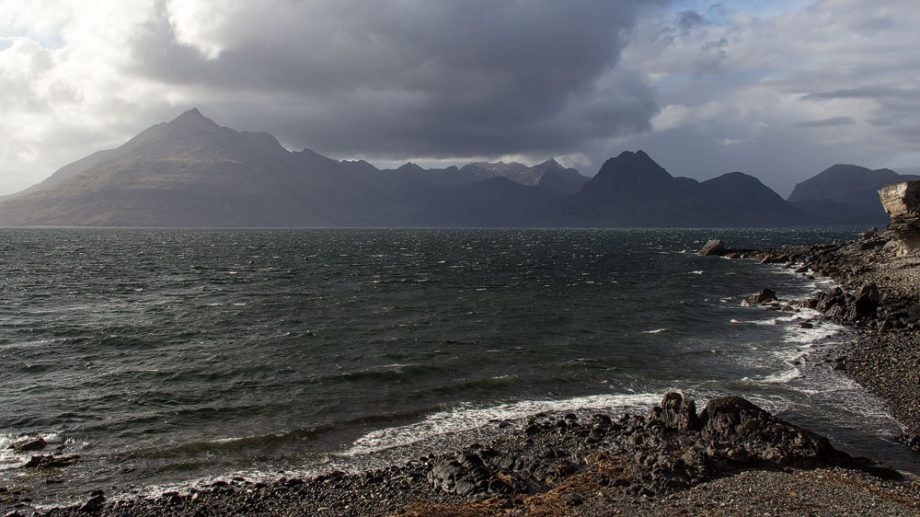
174, 355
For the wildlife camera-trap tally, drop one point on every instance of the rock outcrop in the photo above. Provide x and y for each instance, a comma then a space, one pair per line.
902, 202
714, 247
765, 295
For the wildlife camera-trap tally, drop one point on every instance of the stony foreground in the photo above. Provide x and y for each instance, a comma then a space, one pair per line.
730, 458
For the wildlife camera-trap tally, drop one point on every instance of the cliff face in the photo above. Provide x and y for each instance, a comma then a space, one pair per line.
902, 202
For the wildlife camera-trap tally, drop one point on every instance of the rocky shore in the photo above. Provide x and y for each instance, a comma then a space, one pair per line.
879, 295
730, 458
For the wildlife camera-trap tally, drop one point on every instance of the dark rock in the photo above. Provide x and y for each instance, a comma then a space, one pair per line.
866, 302
35, 444
713, 248
50, 461
678, 413
601, 420
94, 505
764, 296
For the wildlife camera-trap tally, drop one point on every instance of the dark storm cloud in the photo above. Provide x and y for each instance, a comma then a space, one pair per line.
434, 78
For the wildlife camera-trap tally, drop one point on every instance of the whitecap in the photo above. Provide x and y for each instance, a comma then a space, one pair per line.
468, 417
10, 459
656, 331
783, 377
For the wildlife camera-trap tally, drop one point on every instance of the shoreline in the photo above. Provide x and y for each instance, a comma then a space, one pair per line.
563, 464
585, 466
878, 297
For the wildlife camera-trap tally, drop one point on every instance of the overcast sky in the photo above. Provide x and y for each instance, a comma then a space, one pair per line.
779, 89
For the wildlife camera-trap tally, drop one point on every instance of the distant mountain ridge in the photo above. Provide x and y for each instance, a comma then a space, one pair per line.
846, 194
192, 172
548, 175
632, 190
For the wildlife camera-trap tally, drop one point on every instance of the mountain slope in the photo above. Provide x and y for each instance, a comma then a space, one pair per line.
192, 172
632, 190
846, 194
549, 175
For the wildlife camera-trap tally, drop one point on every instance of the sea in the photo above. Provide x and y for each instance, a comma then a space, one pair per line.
165, 359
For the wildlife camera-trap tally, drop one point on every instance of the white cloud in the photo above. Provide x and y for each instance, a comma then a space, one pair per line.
804, 86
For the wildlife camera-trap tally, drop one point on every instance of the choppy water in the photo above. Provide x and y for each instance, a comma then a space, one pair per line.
167, 356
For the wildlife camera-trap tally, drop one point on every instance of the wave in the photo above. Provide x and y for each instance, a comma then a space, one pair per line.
783, 377
467, 417
10, 459
656, 331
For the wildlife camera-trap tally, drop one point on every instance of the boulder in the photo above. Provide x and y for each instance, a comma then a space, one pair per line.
765, 295
901, 200
95, 504
866, 302
50, 461
713, 248
31, 444
676, 412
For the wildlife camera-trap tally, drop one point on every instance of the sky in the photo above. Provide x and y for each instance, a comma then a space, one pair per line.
778, 89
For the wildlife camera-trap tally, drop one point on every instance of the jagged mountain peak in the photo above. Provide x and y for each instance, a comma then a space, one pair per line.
410, 167
549, 165
193, 117
630, 167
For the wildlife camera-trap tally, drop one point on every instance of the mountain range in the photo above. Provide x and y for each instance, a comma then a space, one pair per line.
191, 172
846, 194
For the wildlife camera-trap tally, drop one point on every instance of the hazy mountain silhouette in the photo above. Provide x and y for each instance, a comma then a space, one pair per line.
549, 175
632, 190
193, 172
846, 194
